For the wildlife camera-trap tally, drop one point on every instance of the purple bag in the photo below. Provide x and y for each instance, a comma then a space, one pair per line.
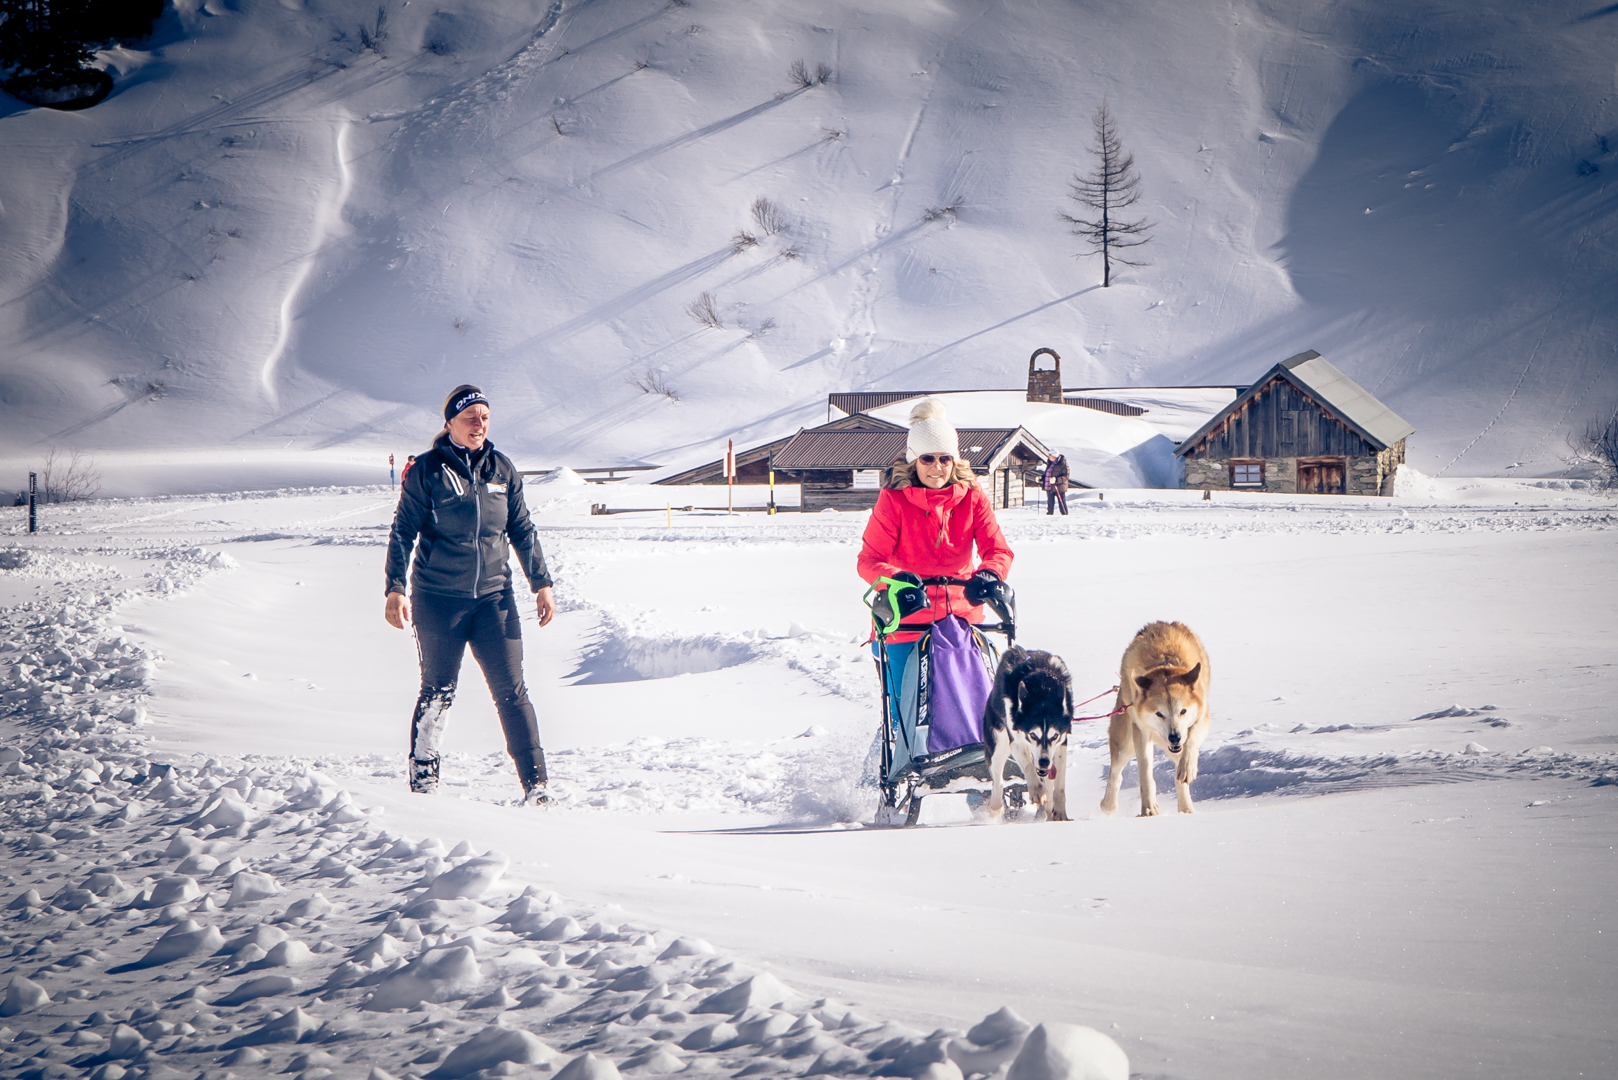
958, 686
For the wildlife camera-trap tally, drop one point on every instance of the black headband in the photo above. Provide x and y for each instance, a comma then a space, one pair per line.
454, 406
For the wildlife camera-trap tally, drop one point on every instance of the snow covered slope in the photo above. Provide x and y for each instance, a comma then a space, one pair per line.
274, 237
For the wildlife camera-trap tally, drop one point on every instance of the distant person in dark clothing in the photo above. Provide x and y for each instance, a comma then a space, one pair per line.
1055, 485
22, 499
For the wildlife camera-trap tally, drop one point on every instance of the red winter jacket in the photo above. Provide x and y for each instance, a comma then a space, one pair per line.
930, 532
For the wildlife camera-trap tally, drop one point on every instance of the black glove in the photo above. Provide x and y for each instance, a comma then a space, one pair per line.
982, 586
985, 587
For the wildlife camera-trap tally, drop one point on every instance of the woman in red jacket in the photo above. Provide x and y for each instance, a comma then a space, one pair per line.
926, 522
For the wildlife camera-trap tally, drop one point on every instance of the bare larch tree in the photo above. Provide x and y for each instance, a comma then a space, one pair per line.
1109, 190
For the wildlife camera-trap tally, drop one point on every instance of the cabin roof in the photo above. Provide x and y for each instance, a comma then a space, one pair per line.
711, 469
1341, 396
819, 448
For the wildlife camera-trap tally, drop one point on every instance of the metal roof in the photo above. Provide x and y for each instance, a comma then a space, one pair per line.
703, 473
1342, 396
842, 450
866, 400
823, 449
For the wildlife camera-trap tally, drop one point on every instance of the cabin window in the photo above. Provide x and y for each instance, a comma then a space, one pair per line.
1247, 474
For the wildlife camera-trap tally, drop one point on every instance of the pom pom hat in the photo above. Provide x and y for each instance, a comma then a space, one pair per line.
930, 432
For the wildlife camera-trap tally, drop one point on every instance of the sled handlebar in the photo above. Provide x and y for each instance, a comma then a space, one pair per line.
1007, 624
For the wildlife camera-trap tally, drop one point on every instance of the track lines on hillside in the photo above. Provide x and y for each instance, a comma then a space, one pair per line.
698, 135
102, 310
992, 329
375, 426
228, 112
624, 301
1550, 317
783, 159
873, 248
615, 414
644, 20
286, 416
104, 415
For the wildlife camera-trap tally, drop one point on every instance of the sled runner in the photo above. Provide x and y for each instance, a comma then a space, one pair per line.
933, 693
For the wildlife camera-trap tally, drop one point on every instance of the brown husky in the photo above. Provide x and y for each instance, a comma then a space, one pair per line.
1163, 698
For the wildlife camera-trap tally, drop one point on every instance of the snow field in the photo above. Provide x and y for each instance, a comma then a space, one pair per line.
201, 934
705, 700
175, 918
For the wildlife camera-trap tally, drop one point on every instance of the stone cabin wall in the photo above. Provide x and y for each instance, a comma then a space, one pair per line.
1371, 474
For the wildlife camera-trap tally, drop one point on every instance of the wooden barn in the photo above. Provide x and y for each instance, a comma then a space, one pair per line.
1304, 428
843, 469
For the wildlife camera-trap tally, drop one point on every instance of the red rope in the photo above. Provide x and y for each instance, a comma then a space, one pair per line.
1101, 716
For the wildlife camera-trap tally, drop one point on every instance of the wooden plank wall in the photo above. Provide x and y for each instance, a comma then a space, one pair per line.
841, 495
1282, 421
838, 493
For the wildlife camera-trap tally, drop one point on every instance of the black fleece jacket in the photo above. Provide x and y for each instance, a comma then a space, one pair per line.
463, 507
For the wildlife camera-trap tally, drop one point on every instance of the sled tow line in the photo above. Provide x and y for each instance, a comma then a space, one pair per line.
1100, 716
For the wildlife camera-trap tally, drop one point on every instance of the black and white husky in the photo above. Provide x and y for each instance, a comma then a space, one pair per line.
1030, 714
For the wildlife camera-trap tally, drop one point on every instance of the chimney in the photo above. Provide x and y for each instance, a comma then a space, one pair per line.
1045, 380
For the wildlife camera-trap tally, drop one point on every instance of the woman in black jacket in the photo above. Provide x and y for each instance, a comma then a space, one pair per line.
461, 511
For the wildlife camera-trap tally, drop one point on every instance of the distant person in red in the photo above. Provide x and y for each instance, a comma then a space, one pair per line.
409, 461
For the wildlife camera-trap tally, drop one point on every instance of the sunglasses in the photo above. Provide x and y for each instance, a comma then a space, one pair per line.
934, 459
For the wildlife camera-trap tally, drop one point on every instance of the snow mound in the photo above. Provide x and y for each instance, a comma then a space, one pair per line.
1412, 485
1069, 1052
23, 994
491, 1046
759, 991
562, 477
588, 1066
438, 976
470, 880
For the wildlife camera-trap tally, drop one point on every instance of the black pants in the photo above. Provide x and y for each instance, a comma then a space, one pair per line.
445, 626
1055, 497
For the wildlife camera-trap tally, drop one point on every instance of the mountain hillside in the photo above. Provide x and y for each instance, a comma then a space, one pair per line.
296, 224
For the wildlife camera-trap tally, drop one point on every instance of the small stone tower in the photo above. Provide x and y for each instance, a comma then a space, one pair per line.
1045, 380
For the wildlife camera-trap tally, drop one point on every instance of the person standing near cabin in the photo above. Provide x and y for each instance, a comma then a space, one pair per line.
926, 523
1055, 484
461, 511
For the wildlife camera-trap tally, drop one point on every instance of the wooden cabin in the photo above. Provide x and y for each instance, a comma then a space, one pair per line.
1305, 428
844, 469
753, 464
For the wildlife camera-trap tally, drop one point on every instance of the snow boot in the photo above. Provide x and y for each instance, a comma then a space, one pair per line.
424, 776
532, 775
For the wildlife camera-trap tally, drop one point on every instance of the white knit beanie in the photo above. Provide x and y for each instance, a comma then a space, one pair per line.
930, 433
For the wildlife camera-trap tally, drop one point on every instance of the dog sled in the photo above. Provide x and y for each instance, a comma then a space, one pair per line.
933, 694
